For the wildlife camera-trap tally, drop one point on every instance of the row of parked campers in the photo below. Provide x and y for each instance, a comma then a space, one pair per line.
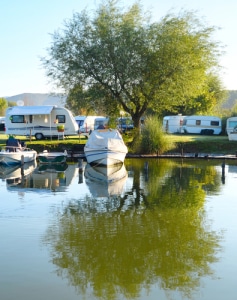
207, 125
88, 123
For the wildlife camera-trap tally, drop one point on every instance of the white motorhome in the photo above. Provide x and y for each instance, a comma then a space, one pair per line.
207, 125
40, 121
88, 123
173, 124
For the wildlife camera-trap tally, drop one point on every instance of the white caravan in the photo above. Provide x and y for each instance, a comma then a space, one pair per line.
88, 123
231, 124
40, 121
231, 128
207, 125
173, 124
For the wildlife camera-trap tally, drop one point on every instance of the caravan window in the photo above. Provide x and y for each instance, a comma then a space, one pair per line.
17, 119
215, 123
198, 122
61, 118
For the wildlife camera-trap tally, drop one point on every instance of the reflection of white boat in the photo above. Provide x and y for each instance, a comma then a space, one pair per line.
46, 157
48, 180
105, 181
15, 174
18, 157
105, 147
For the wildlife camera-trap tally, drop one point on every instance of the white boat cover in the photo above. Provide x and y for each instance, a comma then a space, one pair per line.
106, 138
32, 110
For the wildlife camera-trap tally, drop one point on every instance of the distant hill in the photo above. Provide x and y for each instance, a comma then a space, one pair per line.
38, 99
231, 99
60, 100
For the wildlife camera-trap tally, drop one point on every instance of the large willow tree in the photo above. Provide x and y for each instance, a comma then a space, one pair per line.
138, 63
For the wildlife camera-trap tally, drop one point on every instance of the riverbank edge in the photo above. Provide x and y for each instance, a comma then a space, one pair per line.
174, 155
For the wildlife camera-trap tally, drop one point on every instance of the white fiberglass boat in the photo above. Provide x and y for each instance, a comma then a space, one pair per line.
14, 156
105, 147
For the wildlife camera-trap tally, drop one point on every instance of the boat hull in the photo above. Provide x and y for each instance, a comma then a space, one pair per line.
104, 157
52, 157
17, 158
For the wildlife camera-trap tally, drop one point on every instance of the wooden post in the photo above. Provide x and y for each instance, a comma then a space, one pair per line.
80, 165
22, 160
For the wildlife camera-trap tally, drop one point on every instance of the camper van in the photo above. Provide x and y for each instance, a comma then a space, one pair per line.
40, 121
124, 124
207, 125
173, 124
88, 123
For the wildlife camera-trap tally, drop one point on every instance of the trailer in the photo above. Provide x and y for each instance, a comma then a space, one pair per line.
45, 121
231, 128
206, 125
173, 124
88, 123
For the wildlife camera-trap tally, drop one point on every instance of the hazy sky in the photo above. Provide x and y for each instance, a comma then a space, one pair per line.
25, 28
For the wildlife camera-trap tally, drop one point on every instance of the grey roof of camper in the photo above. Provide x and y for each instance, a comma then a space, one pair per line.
31, 110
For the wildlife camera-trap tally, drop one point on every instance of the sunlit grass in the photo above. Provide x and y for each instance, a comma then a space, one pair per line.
189, 143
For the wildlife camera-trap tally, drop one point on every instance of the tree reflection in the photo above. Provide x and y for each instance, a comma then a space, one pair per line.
164, 238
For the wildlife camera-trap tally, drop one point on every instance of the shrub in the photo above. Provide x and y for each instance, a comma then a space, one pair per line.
153, 140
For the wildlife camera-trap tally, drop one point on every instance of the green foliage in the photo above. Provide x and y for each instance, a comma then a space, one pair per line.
93, 100
208, 102
3, 106
136, 64
153, 140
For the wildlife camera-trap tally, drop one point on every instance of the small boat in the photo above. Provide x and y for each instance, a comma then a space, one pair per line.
16, 156
46, 157
105, 147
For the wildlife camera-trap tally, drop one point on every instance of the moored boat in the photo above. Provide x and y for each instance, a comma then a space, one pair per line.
46, 157
16, 156
105, 147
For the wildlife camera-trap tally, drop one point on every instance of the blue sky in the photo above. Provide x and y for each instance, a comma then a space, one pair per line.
25, 28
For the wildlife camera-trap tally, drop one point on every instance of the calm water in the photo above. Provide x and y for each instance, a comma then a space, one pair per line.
166, 229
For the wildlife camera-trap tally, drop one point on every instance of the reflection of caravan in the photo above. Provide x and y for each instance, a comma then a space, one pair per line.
173, 124
207, 125
39, 121
88, 123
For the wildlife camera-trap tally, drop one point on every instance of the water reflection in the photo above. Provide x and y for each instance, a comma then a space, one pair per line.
155, 232
105, 181
45, 178
15, 175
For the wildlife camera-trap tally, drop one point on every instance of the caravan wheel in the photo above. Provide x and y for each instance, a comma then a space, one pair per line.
39, 136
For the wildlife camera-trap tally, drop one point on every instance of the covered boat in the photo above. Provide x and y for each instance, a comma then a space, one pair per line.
105, 147
46, 157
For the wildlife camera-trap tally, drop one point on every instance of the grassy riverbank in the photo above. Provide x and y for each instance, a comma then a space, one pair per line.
185, 143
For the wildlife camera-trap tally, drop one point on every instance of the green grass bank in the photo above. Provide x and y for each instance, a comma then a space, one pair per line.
182, 143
